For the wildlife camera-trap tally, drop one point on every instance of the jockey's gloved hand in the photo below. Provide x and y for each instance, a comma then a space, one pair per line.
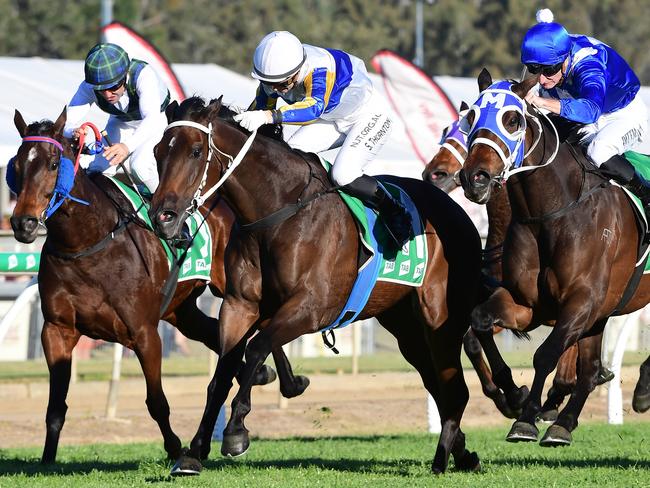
253, 119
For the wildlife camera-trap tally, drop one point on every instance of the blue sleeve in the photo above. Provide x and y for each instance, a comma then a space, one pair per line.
589, 81
317, 93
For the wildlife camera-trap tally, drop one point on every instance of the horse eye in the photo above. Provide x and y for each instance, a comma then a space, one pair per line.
196, 153
54, 165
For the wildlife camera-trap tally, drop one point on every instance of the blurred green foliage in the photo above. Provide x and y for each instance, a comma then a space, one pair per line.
459, 37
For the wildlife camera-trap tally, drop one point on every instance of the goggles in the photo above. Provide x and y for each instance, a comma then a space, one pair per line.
545, 69
282, 85
114, 88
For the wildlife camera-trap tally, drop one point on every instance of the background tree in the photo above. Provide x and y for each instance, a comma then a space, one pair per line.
459, 37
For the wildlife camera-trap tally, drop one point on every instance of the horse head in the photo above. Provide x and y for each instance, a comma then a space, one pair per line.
497, 135
184, 155
33, 173
443, 169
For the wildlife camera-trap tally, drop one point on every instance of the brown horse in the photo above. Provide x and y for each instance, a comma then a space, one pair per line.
442, 171
101, 275
291, 263
570, 250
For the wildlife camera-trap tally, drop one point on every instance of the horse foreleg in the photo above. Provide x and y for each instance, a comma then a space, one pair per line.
499, 386
563, 384
148, 349
196, 325
227, 367
566, 333
641, 398
58, 342
559, 434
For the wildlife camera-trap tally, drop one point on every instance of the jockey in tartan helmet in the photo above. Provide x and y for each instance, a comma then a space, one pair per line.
135, 98
106, 65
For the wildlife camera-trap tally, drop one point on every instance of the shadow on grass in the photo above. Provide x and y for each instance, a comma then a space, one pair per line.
584, 463
33, 467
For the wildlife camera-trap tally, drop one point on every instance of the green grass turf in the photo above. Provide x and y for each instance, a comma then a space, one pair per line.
601, 456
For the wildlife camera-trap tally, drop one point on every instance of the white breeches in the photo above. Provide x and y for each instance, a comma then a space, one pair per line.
360, 137
141, 164
616, 132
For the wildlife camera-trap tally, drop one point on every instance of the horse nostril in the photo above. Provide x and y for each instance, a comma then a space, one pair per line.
439, 175
481, 178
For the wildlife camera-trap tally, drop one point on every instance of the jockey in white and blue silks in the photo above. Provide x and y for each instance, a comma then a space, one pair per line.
328, 92
586, 81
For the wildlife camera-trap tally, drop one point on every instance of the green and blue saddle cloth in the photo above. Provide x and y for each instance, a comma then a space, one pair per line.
198, 261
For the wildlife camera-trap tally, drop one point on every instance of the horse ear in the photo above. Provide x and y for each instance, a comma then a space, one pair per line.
484, 79
170, 111
215, 106
60, 122
20, 124
523, 87
463, 106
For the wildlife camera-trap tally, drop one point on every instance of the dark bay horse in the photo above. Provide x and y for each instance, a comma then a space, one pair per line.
291, 273
442, 171
101, 276
570, 250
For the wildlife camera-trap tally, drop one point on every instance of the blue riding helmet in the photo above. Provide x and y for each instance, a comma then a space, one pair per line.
546, 43
106, 65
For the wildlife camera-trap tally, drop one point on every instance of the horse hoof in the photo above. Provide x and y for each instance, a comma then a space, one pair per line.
469, 462
501, 403
556, 436
234, 445
264, 375
604, 376
640, 401
522, 432
548, 416
298, 387
186, 466
517, 398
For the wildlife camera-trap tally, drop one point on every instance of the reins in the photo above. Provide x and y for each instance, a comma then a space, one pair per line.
199, 196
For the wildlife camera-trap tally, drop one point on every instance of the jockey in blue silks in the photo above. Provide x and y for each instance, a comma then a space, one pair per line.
585, 81
329, 94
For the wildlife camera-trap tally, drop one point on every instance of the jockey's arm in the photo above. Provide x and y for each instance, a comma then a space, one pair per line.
318, 88
77, 109
589, 78
148, 90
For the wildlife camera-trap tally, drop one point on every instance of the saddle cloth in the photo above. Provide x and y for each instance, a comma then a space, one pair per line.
406, 267
198, 260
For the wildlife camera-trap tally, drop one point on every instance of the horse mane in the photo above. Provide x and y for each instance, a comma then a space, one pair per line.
40, 128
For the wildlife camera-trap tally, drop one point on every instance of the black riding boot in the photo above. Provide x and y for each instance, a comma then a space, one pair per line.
621, 170
397, 219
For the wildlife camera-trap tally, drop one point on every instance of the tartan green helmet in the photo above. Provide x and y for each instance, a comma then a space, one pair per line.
106, 65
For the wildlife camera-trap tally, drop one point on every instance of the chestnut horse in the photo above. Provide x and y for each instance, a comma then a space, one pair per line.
442, 171
292, 261
570, 251
101, 275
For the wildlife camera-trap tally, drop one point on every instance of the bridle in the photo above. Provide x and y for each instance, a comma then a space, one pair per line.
200, 196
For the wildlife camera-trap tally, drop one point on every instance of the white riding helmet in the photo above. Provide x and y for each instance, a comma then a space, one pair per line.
278, 56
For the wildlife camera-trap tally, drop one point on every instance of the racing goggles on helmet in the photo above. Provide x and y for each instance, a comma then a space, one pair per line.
115, 87
281, 85
545, 69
